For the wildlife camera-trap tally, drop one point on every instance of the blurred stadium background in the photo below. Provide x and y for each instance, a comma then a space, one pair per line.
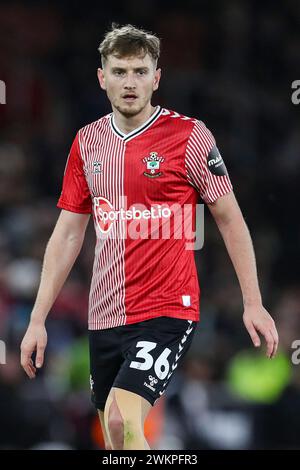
230, 64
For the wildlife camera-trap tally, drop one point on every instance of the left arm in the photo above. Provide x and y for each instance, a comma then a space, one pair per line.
237, 239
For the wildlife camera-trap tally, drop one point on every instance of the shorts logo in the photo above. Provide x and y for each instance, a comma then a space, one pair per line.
153, 381
152, 163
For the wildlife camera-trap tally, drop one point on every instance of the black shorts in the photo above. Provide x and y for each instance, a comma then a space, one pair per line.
140, 357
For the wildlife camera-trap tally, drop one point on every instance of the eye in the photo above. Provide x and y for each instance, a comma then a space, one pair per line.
118, 73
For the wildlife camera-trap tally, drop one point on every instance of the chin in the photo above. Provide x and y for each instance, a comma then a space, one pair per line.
129, 111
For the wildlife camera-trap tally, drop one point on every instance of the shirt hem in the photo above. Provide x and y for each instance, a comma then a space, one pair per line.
131, 319
70, 207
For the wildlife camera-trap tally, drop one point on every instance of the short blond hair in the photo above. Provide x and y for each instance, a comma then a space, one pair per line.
128, 40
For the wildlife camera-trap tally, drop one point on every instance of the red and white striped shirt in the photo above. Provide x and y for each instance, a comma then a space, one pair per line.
137, 187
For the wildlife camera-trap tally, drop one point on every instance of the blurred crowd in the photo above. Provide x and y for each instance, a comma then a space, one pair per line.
230, 64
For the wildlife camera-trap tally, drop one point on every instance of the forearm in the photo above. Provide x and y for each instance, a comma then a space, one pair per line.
235, 233
59, 258
240, 249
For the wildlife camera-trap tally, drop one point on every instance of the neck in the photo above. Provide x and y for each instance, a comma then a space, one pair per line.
128, 124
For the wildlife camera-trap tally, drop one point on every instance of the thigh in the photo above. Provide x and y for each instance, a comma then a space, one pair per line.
105, 362
153, 350
128, 410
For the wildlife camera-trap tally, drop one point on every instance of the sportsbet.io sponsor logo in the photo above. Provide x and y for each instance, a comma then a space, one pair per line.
106, 214
2, 352
159, 221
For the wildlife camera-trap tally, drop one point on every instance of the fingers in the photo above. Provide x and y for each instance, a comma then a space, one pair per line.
271, 336
40, 355
35, 339
274, 334
253, 334
26, 363
31, 369
270, 343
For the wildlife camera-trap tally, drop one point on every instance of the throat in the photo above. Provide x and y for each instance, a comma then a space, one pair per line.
127, 123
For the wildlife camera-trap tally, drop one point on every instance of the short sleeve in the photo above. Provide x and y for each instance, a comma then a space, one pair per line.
75, 195
205, 168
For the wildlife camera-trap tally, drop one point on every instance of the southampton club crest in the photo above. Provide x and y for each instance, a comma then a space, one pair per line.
152, 163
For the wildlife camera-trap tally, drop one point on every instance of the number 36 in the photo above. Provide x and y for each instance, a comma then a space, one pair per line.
161, 366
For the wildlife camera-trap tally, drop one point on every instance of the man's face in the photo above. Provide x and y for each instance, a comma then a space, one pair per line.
129, 82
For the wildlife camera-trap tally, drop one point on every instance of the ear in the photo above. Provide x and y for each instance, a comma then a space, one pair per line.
156, 79
101, 78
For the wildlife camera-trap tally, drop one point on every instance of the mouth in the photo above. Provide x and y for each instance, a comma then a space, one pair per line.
129, 97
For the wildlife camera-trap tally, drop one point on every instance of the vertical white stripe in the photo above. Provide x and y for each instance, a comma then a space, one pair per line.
107, 293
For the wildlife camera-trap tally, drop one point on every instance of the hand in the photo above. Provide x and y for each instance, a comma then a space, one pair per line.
35, 339
258, 320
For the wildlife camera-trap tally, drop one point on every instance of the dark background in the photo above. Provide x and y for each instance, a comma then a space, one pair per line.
230, 64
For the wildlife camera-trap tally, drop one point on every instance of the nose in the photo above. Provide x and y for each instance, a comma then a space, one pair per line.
129, 82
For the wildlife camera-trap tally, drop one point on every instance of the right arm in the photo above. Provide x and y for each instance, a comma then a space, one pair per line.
62, 250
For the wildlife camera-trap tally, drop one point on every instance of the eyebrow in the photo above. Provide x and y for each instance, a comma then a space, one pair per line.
136, 69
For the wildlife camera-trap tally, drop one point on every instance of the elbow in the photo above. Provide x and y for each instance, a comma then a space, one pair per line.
70, 238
